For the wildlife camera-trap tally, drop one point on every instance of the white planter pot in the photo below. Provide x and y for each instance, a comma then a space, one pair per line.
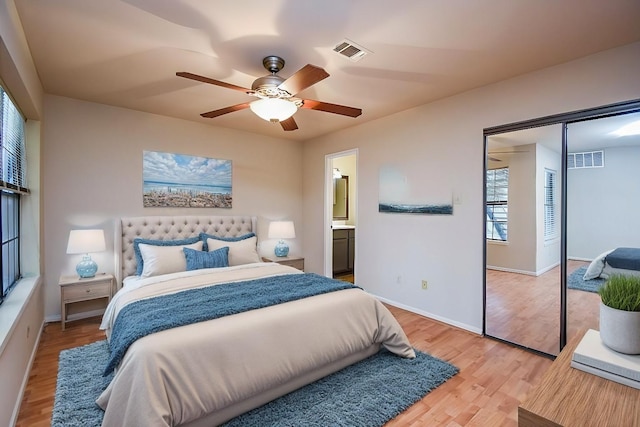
620, 330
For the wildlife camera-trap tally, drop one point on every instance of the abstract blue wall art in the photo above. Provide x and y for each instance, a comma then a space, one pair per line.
400, 194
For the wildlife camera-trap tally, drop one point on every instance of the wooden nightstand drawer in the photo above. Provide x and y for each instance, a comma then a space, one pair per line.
90, 291
295, 263
291, 261
75, 292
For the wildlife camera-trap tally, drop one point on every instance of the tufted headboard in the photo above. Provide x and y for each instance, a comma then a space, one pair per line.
171, 228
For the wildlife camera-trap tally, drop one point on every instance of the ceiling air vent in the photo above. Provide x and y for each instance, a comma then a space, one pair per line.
589, 159
351, 50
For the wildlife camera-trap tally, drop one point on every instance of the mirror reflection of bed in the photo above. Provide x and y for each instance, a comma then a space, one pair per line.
603, 201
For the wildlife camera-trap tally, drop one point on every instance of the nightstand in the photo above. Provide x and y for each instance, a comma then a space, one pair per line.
74, 289
291, 261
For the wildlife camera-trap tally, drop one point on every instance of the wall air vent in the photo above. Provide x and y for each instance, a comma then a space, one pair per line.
351, 50
589, 159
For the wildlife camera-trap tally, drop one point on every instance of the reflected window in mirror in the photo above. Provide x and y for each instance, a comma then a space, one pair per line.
497, 203
341, 198
550, 205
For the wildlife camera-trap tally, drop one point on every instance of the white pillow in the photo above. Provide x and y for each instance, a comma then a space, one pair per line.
597, 265
240, 252
164, 259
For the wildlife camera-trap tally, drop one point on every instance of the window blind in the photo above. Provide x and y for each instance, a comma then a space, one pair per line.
550, 226
12, 147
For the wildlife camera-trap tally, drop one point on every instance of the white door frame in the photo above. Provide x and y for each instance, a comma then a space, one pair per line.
328, 208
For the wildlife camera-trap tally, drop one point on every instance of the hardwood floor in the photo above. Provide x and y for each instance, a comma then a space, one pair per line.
494, 377
346, 277
526, 309
37, 402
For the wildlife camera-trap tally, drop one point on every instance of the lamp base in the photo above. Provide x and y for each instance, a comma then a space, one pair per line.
281, 249
86, 268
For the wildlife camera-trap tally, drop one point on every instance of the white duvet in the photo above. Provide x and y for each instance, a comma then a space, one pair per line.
220, 368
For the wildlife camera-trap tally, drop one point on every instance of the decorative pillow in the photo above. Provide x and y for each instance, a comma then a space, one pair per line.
597, 265
240, 252
164, 259
200, 259
136, 249
205, 236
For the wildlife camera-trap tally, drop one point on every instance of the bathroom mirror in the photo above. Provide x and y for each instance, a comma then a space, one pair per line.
341, 198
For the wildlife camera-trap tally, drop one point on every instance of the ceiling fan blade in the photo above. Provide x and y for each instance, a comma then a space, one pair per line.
212, 81
303, 78
289, 124
494, 159
331, 108
231, 109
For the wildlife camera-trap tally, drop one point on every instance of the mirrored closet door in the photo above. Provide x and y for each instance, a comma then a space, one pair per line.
603, 207
524, 169
561, 192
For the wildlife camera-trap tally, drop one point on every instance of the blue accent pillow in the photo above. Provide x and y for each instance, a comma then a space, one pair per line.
205, 236
200, 259
136, 248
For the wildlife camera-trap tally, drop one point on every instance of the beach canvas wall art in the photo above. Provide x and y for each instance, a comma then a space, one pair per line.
178, 180
400, 193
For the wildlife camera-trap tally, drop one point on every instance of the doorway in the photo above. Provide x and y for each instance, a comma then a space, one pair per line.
341, 210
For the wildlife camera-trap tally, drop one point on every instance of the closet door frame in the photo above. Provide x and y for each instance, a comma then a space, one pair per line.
564, 119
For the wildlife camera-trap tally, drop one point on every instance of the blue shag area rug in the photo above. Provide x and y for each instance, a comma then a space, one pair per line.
366, 394
575, 281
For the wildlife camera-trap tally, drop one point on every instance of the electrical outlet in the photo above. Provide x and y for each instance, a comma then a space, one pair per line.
424, 284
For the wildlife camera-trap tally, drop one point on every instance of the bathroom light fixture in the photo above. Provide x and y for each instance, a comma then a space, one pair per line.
336, 173
273, 110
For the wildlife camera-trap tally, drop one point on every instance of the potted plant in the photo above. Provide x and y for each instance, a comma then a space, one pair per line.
620, 313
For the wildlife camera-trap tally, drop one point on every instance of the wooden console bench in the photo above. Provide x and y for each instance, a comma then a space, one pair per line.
570, 397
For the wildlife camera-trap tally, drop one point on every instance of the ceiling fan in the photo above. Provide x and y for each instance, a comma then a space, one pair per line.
277, 101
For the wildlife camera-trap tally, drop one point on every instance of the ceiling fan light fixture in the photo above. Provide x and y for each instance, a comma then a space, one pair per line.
273, 109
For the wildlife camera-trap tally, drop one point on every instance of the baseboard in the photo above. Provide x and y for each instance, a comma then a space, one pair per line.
25, 380
544, 270
577, 258
431, 315
72, 317
511, 270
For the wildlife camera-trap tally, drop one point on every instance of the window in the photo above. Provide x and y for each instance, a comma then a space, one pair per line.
550, 225
12, 186
497, 206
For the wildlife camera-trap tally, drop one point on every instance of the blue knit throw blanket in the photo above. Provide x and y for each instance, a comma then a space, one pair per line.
144, 317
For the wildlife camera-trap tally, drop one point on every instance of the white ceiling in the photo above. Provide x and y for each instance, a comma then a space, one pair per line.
126, 52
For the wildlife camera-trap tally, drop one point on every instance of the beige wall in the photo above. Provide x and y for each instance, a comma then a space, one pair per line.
22, 313
92, 173
441, 144
518, 254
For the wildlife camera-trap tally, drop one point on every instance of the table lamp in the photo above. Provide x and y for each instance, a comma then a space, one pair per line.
281, 230
85, 242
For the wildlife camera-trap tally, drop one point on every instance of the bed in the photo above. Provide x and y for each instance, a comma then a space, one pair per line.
207, 372
615, 261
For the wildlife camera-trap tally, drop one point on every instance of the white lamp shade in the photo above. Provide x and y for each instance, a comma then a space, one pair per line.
273, 109
86, 241
282, 230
